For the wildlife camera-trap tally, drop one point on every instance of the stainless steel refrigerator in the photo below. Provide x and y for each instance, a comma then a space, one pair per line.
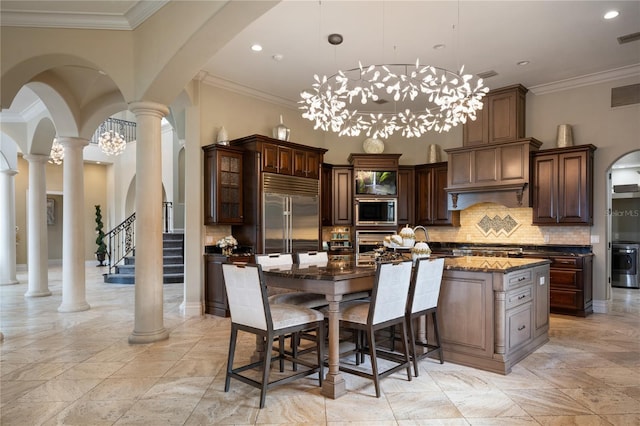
291, 214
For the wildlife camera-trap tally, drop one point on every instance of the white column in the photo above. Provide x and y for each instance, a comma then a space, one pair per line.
193, 259
38, 254
73, 271
149, 318
8, 228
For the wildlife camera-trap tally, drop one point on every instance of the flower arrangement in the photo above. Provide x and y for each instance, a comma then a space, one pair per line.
227, 244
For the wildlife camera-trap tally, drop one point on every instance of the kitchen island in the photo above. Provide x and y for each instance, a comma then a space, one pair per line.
493, 311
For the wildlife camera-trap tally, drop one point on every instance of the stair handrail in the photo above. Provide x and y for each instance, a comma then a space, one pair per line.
121, 241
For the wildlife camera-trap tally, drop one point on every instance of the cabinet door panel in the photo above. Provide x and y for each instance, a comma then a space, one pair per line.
486, 170
312, 165
285, 160
514, 164
406, 195
502, 117
441, 214
473, 132
573, 188
269, 158
460, 163
519, 330
424, 206
544, 189
342, 196
564, 299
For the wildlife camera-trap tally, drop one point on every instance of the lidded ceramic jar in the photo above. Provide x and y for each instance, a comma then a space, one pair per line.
408, 236
420, 250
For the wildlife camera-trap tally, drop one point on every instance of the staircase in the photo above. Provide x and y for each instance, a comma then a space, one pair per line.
172, 259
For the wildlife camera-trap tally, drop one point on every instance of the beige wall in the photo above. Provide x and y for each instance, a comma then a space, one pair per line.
95, 192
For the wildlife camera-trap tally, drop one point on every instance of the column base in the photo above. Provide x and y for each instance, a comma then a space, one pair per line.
10, 282
74, 307
37, 293
150, 337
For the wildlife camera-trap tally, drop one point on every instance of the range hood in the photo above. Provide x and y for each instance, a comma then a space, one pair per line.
495, 173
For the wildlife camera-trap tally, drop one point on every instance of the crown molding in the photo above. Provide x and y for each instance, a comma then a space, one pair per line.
248, 91
587, 80
128, 21
142, 10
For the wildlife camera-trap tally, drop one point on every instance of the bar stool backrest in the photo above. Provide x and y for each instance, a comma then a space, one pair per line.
247, 295
313, 258
390, 291
427, 279
274, 260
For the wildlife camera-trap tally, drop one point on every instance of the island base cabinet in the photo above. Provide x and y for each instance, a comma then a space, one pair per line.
492, 320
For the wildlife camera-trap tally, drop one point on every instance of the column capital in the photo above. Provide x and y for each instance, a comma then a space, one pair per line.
148, 108
72, 142
36, 158
9, 172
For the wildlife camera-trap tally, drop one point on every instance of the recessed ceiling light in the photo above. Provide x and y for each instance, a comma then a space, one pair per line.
522, 63
611, 14
439, 46
256, 47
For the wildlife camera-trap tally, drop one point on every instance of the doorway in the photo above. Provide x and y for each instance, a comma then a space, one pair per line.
623, 197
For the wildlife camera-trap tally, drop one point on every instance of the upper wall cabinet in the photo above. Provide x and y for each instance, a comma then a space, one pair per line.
282, 157
406, 194
500, 120
431, 197
563, 186
222, 185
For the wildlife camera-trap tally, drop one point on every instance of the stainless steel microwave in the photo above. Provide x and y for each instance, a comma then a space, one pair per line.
376, 211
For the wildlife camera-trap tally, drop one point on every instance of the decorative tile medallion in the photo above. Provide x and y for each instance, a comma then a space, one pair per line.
498, 225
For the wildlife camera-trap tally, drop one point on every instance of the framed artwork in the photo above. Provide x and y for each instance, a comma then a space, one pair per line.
51, 211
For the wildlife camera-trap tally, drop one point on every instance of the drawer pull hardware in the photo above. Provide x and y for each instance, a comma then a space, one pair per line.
522, 327
522, 278
522, 296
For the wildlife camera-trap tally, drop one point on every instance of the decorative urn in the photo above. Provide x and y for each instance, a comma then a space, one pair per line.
408, 236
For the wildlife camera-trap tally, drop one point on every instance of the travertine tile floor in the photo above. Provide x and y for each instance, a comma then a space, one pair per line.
78, 369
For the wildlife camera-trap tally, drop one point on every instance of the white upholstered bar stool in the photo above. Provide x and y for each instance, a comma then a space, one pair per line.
308, 300
299, 298
423, 300
386, 308
251, 312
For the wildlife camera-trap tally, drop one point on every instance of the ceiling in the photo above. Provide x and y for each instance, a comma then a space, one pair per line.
567, 43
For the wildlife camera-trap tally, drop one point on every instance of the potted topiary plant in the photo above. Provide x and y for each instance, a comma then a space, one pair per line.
101, 252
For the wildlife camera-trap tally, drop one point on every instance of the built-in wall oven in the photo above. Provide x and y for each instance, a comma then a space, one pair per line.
366, 242
625, 256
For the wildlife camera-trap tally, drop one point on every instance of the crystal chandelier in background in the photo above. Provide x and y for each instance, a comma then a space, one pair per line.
112, 143
57, 153
430, 98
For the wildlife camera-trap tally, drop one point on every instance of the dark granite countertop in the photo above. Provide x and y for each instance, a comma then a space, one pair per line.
491, 264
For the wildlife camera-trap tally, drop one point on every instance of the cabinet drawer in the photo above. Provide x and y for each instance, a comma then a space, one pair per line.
564, 298
566, 262
562, 278
519, 327
518, 297
518, 279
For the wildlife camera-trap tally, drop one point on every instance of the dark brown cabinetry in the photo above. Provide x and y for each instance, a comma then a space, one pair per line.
571, 285
342, 195
215, 295
326, 194
431, 197
406, 195
266, 161
563, 186
502, 118
222, 185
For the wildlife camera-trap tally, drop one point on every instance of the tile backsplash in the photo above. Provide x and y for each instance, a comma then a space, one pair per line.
489, 223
